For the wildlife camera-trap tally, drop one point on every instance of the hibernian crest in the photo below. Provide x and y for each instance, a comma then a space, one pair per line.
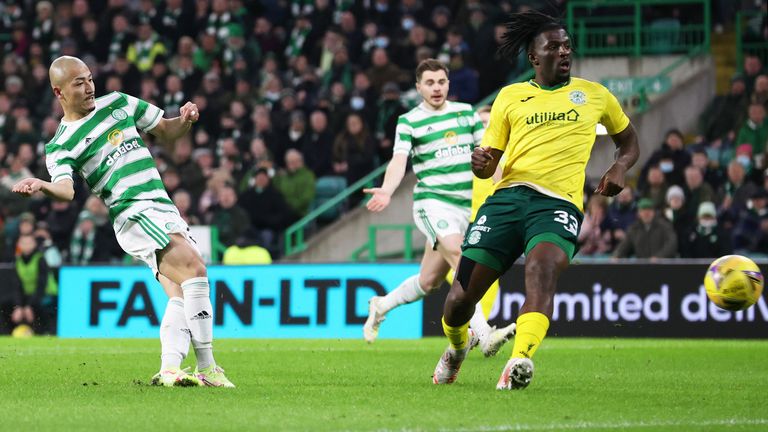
578, 97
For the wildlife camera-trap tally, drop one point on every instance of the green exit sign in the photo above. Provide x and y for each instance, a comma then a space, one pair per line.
631, 85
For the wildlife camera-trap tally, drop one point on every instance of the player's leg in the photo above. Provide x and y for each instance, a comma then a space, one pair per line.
174, 340
433, 268
471, 282
490, 339
182, 264
543, 265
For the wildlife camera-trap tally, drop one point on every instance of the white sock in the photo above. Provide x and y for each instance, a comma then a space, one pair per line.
408, 292
174, 334
479, 323
199, 314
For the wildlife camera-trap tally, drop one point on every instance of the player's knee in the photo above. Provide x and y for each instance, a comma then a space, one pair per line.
429, 282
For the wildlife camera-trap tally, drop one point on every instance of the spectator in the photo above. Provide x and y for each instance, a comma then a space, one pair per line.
383, 71
296, 183
760, 94
747, 230
725, 113
596, 237
318, 150
733, 195
713, 175
753, 67
389, 110
85, 246
247, 251
36, 287
464, 80
677, 213
696, 190
655, 187
353, 151
755, 130
269, 212
61, 222
706, 239
228, 217
144, 51
671, 158
649, 237
183, 202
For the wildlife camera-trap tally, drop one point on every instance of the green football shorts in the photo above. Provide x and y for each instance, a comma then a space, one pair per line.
514, 220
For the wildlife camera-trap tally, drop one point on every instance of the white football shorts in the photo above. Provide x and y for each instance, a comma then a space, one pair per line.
436, 219
146, 233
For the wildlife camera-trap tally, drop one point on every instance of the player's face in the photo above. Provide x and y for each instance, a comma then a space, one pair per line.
433, 88
78, 92
551, 56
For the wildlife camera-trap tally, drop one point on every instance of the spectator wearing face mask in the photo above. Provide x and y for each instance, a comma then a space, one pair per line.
671, 158
706, 239
676, 211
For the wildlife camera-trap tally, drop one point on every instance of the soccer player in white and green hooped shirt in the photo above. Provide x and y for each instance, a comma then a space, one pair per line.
439, 136
98, 139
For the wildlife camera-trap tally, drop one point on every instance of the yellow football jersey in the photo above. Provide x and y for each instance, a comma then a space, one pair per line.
548, 133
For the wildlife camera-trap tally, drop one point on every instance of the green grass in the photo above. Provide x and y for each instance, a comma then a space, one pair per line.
580, 384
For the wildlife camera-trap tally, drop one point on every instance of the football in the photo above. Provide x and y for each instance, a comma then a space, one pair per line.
733, 282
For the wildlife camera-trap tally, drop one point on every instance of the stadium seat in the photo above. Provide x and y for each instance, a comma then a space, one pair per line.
663, 36
326, 188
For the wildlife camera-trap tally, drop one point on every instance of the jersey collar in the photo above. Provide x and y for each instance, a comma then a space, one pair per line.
554, 87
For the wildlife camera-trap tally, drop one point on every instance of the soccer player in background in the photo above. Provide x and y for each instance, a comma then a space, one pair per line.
547, 128
98, 138
439, 136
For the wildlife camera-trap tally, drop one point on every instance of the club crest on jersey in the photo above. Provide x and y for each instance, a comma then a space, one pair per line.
463, 122
119, 114
115, 137
451, 138
578, 97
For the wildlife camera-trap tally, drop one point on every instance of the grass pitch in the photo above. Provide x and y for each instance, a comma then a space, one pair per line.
52, 384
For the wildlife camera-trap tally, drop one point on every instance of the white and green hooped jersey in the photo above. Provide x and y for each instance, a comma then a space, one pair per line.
106, 150
440, 144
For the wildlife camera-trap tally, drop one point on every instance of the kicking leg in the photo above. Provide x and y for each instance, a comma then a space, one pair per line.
180, 263
471, 282
174, 340
431, 274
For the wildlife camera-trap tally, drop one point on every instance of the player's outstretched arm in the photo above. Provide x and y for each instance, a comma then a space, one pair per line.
174, 128
613, 180
62, 190
392, 178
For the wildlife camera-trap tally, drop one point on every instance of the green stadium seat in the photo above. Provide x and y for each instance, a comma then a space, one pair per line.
663, 36
326, 188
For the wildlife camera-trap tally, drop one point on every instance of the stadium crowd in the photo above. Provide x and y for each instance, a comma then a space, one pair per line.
300, 98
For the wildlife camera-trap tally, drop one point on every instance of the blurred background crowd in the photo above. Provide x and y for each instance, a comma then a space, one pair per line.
299, 99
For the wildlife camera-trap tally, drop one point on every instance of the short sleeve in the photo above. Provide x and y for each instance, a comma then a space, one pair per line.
613, 117
145, 115
59, 164
403, 136
477, 130
497, 134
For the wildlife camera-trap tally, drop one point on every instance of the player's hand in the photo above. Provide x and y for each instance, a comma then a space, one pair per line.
28, 186
481, 157
612, 181
379, 201
189, 113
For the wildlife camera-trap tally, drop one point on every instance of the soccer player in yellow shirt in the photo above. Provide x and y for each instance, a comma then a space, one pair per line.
547, 128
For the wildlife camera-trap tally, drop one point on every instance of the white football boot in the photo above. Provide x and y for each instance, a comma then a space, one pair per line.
491, 345
447, 369
375, 318
516, 375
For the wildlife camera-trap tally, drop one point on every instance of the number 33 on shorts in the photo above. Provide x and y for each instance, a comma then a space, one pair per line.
569, 221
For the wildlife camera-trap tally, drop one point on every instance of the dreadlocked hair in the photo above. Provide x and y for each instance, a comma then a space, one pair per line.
522, 28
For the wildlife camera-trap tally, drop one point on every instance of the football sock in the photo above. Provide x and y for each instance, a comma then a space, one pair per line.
174, 334
531, 329
490, 298
199, 314
458, 336
408, 292
479, 324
